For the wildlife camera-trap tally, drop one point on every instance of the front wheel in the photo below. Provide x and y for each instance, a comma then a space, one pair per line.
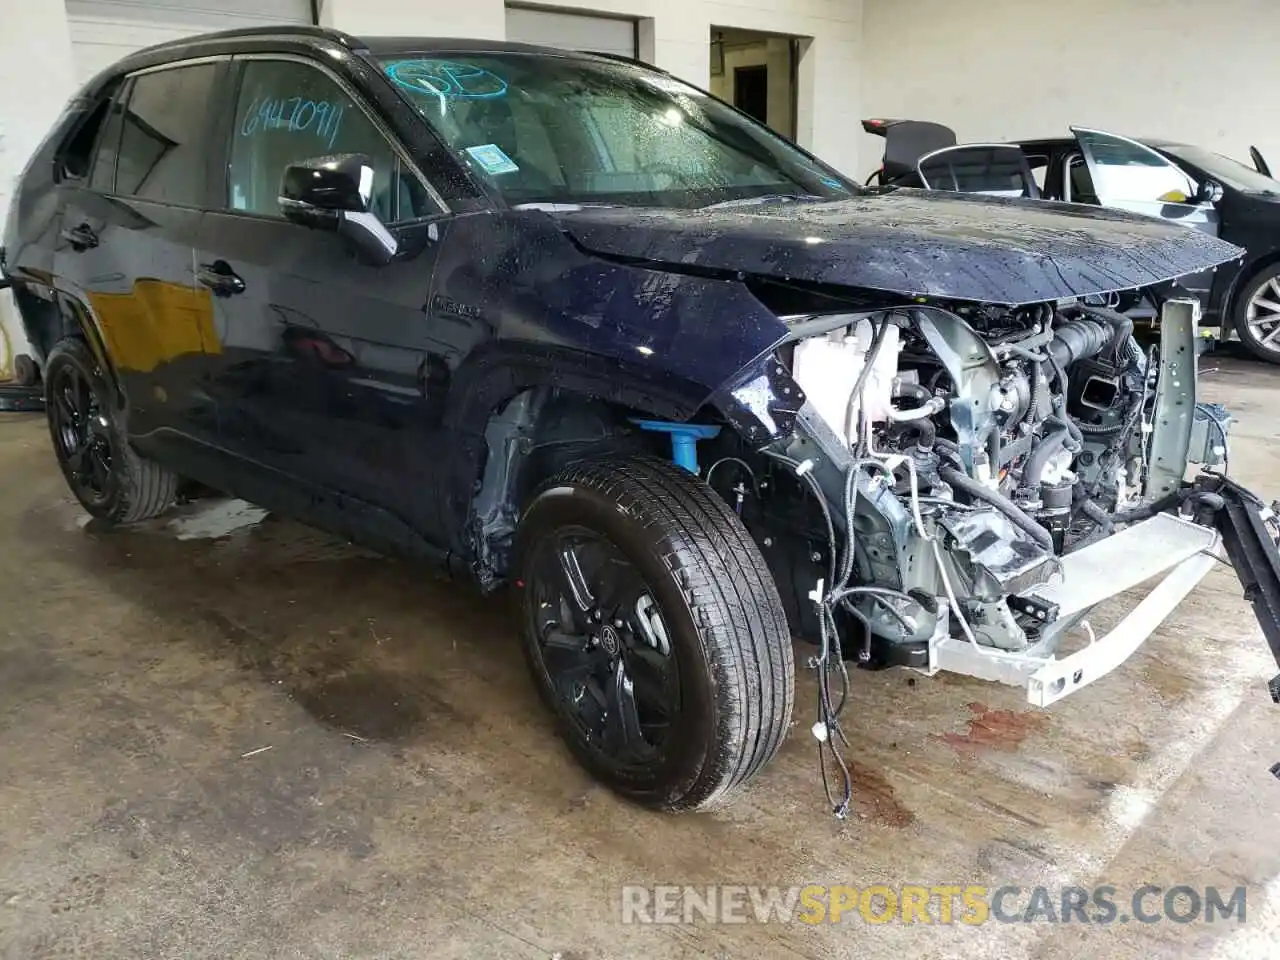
1257, 314
654, 631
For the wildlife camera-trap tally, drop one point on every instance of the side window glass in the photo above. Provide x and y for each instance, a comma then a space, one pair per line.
164, 136
103, 178
998, 170
1039, 169
77, 152
287, 112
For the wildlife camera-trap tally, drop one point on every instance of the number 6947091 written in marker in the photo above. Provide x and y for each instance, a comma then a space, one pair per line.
293, 115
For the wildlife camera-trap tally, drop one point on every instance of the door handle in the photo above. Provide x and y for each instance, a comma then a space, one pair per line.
81, 237
220, 278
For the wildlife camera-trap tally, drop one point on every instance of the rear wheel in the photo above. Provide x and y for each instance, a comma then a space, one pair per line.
1257, 314
654, 631
104, 472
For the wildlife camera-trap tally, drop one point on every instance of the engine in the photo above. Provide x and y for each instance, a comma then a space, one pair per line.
1041, 406
983, 443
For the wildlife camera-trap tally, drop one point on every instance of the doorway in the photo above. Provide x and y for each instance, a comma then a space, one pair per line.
756, 72
751, 91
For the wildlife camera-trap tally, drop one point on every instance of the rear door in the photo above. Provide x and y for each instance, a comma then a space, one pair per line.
127, 241
328, 374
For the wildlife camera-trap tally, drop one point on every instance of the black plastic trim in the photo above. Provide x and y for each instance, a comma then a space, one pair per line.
1254, 556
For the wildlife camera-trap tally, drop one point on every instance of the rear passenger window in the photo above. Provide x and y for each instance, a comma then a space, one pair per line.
77, 153
163, 151
103, 178
288, 112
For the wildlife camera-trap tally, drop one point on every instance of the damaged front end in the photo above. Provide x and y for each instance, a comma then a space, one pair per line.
959, 449
957, 487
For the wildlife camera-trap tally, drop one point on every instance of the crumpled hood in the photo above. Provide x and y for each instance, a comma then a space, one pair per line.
914, 242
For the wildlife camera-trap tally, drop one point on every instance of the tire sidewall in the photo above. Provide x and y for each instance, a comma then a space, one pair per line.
692, 739
1240, 313
75, 354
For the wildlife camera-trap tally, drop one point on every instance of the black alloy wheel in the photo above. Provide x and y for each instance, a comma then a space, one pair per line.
654, 631
81, 434
109, 478
603, 646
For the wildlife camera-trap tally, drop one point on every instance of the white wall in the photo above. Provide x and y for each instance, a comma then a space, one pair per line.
103, 31
1203, 71
36, 79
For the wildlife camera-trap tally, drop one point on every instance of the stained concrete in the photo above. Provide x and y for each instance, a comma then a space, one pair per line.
272, 744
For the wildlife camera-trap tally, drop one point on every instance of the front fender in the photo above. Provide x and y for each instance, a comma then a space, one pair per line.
516, 305
543, 299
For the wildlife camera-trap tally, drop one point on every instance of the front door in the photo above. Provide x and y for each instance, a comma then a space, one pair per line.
325, 377
1126, 175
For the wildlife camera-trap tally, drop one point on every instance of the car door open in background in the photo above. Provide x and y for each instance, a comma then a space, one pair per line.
1127, 175
325, 355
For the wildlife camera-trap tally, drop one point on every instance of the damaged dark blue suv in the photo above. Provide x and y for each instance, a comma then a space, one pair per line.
566, 323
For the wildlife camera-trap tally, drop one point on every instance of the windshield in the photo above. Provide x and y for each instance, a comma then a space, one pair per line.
1230, 172
547, 129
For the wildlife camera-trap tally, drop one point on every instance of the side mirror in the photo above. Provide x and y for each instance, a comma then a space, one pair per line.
335, 193
1210, 191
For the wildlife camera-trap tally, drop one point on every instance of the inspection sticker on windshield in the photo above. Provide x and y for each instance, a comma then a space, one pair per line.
492, 159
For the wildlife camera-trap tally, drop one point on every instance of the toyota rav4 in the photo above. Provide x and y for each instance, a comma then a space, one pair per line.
566, 323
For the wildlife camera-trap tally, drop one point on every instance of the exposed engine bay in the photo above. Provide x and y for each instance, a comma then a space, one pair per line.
960, 477
991, 442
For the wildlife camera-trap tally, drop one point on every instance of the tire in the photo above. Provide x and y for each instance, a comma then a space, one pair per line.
1268, 277
25, 371
702, 592
105, 473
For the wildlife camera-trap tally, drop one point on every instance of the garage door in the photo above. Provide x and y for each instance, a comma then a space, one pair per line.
572, 31
103, 31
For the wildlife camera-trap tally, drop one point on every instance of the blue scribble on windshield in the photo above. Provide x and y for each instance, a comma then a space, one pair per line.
447, 78
834, 184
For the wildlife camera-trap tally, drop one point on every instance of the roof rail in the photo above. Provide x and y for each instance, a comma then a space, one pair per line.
275, 30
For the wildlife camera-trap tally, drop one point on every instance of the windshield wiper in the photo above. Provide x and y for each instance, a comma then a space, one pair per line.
767, 198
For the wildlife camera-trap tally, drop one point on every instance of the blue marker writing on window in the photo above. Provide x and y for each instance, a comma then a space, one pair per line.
446, 78
293, 115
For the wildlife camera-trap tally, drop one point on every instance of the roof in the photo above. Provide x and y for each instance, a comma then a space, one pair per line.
380, 46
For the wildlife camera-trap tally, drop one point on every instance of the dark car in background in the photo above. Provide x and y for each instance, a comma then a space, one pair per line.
571, 326
1161, 178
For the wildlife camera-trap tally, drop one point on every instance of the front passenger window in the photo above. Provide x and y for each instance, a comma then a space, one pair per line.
288, 112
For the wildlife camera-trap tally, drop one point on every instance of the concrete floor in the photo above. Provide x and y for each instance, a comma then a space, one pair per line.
413, 802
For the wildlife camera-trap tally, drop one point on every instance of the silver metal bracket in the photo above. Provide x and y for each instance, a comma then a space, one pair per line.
1182, 550
1175, 403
